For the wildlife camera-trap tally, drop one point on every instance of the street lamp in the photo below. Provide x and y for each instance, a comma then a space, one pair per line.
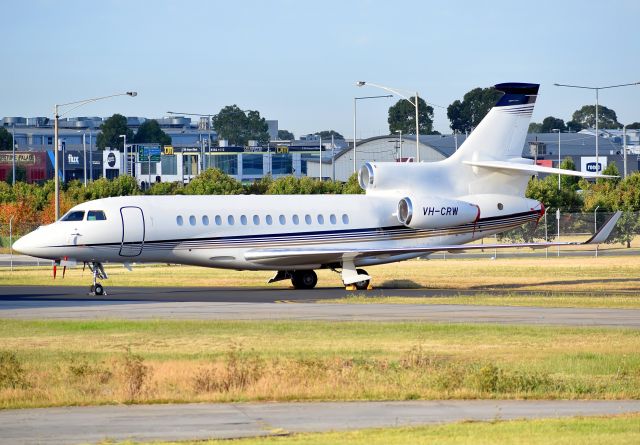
597, 90
208, 116
56, 116
362, 83
355, 100
400, 144
559, 131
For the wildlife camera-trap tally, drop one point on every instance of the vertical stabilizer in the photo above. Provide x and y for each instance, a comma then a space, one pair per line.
502, 132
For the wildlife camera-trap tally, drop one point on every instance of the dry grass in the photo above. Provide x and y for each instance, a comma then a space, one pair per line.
97, 362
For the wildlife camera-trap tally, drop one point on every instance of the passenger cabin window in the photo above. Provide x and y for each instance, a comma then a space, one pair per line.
256, 220
96, 215
78, 215
243, 220
307, 219
231, 220
205, 220
218, 220
345, 219
295, 219
179, 220
269, 219
192, 220
283, 220
332, 218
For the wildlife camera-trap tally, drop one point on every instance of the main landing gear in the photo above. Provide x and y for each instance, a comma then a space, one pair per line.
98, 273
353, 279
300, 279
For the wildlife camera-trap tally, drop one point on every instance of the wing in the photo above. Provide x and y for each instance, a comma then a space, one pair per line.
327, 255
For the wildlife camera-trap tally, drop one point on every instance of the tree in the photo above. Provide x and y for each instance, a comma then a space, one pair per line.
551, 123
110, 132
567, 181
213, 182
285, 135
5, 139
634, 126
238, 128
574, 127
326, 134
465, 115
150, 132
546, 191
535, 127
586, 116
402, 116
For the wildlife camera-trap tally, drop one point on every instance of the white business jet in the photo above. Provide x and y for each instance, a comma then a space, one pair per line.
409, 210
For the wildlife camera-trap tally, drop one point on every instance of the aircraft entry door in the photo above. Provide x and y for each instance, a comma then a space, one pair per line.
132, 231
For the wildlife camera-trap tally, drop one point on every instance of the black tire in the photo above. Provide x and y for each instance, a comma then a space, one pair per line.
98, 289
304, 279
362, 285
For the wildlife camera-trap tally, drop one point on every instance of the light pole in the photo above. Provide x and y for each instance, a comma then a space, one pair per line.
559, 131
400, 144
355, 101
624, 148
597, 90
320, 159
126, 157
208, 116
56, 116
362, 83
13, 149
84, 156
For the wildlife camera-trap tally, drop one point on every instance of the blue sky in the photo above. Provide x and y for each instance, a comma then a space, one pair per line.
298, 61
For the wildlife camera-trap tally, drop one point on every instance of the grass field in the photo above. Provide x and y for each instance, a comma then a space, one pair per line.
620, 430
53, 363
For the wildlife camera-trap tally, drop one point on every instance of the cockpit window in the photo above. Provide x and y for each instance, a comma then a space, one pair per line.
96, 215
78, 215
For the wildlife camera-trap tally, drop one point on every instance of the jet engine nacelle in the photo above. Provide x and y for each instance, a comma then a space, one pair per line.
434, 213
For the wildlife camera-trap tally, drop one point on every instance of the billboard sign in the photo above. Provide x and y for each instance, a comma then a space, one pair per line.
145, 152
588, 164
111, 159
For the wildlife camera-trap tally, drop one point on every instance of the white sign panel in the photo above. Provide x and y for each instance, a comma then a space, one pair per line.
588, 164
111, 159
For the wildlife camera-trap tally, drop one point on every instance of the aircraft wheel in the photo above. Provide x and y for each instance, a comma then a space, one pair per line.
98, 289
304, 279
362, 285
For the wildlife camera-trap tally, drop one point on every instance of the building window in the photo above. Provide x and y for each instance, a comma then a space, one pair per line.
252, 164
144, 168
169, 164
179, 220
227, 163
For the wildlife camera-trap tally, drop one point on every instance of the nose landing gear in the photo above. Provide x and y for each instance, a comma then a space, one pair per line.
98, 272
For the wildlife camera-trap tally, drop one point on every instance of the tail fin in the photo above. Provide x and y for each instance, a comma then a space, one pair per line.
502, 132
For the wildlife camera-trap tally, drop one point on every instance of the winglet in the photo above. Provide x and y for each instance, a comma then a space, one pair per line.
601, 235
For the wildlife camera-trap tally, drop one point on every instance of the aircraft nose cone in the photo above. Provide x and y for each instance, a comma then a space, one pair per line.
24, 245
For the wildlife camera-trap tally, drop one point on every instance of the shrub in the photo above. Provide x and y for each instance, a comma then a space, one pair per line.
12, 374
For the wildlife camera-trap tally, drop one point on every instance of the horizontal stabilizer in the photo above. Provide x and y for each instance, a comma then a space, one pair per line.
531, 168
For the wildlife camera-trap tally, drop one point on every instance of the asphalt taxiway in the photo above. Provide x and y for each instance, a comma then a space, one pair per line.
139, 303
232, 420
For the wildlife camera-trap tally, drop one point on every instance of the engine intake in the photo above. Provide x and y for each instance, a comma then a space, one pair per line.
434, 213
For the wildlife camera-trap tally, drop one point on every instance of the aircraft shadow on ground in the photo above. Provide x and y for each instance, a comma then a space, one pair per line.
399, 284
563, 282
